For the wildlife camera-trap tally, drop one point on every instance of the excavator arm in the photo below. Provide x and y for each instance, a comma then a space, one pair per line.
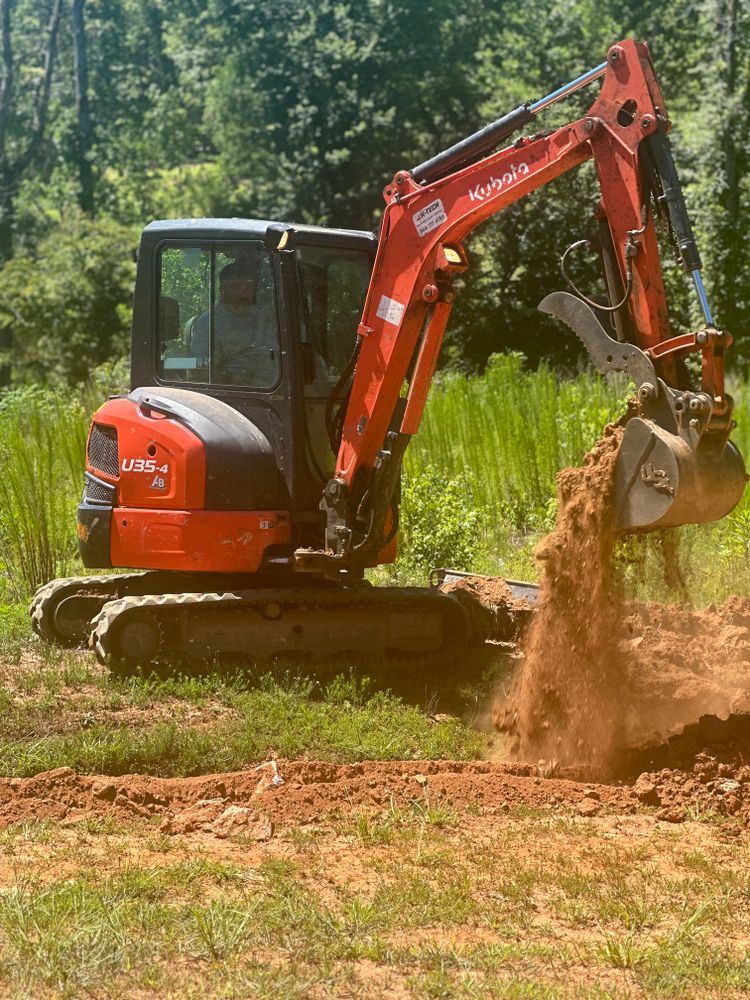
676, 466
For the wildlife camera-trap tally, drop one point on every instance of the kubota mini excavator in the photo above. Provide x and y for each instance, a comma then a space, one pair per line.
253, 471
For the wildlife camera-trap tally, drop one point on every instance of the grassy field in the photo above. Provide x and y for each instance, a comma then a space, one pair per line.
478, 493
479, 482
63, 710
424, 900
411, 902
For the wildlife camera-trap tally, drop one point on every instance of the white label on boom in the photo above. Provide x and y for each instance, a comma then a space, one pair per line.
390, 310
430, 217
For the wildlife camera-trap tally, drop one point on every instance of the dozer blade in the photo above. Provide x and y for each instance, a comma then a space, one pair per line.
672, 467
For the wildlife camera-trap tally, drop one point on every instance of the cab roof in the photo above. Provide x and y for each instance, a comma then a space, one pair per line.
217, 229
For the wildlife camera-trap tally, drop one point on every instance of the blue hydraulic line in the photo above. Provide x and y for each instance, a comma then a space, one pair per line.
568, 88
698, 282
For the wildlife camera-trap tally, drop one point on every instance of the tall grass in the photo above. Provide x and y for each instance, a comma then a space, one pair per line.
497, 439
42, 443
508, 432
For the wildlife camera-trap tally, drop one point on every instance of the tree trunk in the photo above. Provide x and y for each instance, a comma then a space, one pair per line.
13, 170
6, 97
85, 134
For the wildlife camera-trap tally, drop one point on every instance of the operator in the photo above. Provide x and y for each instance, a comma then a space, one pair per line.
245, 348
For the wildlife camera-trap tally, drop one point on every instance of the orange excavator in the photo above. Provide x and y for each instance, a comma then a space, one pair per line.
279, 372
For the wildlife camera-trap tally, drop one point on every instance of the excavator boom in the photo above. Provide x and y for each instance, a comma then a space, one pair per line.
680, 434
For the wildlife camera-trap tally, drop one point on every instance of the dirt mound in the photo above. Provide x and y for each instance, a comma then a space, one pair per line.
708, 787
492, 608
254, 803
567, 700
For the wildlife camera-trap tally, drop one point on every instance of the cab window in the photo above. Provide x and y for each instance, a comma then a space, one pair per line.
217, 319
334, 285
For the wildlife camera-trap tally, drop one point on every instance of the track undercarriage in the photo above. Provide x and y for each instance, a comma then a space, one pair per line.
143, 619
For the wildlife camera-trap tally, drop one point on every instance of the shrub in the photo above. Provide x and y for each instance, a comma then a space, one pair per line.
66, 308
439, 524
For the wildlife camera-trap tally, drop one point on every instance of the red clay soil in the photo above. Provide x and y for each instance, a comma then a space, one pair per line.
707, 787
493, 610
567, 700
247, 802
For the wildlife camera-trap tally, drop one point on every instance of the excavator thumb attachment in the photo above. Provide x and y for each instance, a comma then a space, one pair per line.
673, 467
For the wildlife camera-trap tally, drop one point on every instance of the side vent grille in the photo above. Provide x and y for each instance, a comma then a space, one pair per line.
102, 450
98, 492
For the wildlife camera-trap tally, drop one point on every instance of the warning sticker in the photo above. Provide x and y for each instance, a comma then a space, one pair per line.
430, 217
390, 310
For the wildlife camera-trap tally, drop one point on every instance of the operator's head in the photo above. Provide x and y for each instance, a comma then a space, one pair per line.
237, 286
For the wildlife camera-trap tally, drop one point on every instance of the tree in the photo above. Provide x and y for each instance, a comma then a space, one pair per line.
85, 136
729, 167
318, 104
21, 128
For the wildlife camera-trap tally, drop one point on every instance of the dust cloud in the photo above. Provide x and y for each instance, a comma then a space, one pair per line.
600, 675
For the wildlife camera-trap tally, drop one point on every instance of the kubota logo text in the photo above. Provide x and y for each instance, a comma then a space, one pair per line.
495, 184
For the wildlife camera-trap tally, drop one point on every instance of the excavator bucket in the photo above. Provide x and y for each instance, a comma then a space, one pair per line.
673, 467
662, 480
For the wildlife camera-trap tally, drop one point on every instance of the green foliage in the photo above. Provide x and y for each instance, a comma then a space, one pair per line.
439, 525
509, 432
337, 98
42, 442
63, 306
304, 110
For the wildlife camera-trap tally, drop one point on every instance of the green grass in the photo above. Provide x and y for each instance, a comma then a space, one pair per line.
496, 442
15, 631
284, 718
468, 909
509, 432
42, 442
479, 482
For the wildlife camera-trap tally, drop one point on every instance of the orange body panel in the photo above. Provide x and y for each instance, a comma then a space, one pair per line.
158, 521
161, 463
215, 541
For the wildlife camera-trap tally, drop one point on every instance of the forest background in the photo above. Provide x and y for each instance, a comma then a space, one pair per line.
115, 112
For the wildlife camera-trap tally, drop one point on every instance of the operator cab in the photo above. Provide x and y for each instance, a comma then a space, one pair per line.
242, 331
260, 316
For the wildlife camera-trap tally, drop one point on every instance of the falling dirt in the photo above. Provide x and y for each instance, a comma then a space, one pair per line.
611, 688
567, 700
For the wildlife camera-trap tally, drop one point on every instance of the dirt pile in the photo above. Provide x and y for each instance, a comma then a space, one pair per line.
567, 700
491, 606
242, 803
708, 787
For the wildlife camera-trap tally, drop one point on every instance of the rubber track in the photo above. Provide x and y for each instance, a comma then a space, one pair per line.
50, 594
112, 614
